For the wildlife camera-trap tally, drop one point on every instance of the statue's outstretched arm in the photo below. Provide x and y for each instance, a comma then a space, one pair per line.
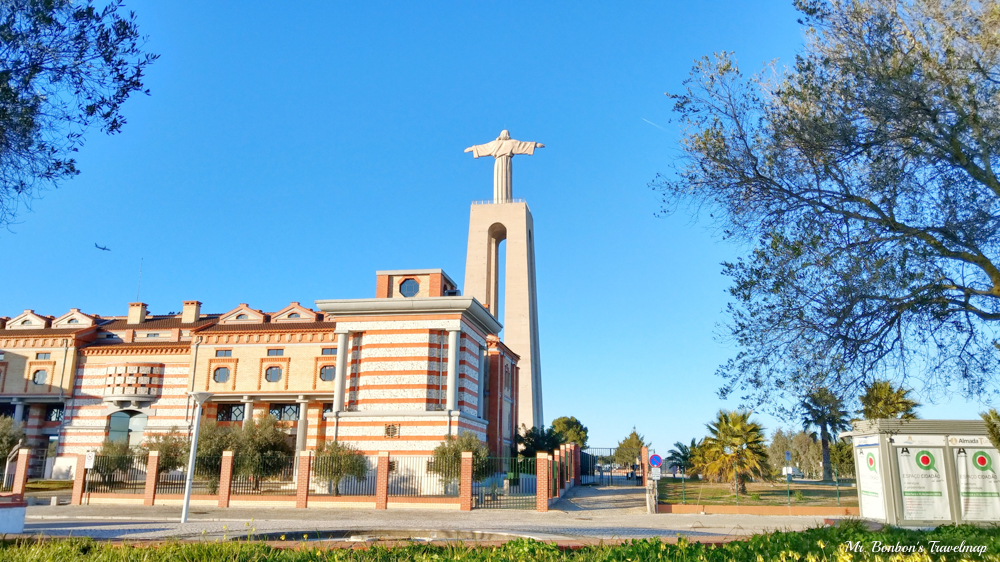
470, 149
539, 145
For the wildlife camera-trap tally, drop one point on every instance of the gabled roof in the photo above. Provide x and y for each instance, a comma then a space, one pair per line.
28, 320
295, 312
74, 319
243, 314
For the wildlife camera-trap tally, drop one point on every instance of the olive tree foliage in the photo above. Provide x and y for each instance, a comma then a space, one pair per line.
10, 434
64, 67
862, 181
336, 461
173, 449
447, 463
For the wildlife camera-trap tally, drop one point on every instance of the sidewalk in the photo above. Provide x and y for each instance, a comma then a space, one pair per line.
586, 515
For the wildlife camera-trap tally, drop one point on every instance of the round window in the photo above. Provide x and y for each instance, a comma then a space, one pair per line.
272, 374
326, 373
39, 376
221, 374
409, 288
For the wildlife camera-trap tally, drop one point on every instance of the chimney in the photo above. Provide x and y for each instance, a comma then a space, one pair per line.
3, 322
191, 313
136, 312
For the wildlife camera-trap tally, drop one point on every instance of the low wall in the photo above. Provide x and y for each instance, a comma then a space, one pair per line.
12, 517
756, 509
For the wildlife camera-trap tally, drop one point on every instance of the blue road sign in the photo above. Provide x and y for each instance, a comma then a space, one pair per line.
655, 461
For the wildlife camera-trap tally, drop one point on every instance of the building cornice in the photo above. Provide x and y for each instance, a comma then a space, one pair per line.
343, 310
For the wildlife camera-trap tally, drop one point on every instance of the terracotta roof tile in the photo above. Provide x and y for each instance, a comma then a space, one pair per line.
270, 327
155, 323
8, 333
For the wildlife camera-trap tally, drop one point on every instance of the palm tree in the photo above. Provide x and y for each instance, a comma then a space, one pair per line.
882, 401
825, 410
682, 456
734, 451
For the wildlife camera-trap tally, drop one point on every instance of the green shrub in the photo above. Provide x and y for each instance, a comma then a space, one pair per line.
448, 457
798, 495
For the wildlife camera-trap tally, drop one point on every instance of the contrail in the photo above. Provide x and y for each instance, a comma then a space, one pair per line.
653, 124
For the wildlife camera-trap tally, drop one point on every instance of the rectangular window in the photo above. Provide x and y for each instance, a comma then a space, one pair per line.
275, 352
42, 355
152, 335
284, 412
223, 353
54, 413
230, 412
329, 351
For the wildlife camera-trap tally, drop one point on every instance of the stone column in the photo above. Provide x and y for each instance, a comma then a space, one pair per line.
21, 473
18, 412
453, 339
302, 429
484, 365
247, 410
342, 361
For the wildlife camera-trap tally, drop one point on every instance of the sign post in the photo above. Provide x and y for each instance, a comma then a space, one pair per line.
199, 398
788, 476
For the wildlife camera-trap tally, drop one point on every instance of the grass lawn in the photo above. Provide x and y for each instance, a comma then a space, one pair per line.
813, 545
48, 485
804, 493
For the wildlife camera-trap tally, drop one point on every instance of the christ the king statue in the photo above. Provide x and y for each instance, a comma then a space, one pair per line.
503, 149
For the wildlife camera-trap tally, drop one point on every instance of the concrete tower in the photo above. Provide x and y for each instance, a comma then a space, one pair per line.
489, 224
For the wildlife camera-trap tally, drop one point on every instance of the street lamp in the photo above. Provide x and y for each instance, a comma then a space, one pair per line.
199, 398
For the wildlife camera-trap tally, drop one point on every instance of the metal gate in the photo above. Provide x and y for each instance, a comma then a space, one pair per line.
611, 466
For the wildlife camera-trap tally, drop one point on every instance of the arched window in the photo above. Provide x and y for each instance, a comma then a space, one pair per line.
326, 373
272, 374
126, 426
242, 317
72, 321
221, 374
295, 315
409, 288
39, 376
25, 322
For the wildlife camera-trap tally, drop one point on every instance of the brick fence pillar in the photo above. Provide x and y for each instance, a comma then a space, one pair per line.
302, 487
21, 472
225, 478
382, 481
577, 477
79, 480
644, 465
556, 468
563, 470
465, 482
152, 475
542, 480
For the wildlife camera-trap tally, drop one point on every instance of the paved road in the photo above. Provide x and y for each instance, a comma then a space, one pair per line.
586, 514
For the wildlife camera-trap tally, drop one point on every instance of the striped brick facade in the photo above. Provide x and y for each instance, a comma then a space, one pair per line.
139, 369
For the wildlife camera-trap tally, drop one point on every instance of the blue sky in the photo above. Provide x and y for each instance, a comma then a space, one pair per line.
287, 154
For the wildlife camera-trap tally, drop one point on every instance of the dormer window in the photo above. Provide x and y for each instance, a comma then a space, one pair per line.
242, 317
72, 321
295, 315
25, 322
153, 335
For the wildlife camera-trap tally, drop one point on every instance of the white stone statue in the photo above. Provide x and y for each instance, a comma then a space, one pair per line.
503, 149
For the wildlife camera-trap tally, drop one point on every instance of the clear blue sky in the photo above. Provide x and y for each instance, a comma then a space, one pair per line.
286, 154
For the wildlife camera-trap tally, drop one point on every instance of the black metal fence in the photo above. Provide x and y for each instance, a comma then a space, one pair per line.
504, 483
206, 478
264, 475
124, 474
611, 467
343, 476
421, 476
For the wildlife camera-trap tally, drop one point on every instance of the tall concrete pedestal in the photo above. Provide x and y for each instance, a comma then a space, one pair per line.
490, 224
